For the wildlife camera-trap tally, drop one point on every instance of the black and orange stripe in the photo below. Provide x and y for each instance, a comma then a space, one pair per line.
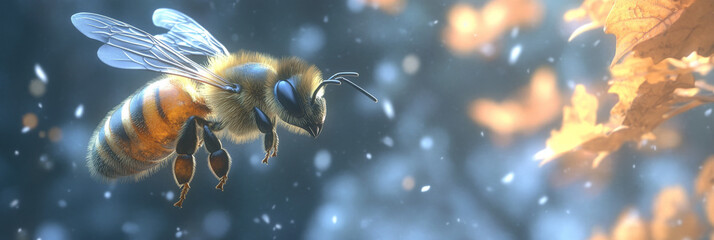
142, 131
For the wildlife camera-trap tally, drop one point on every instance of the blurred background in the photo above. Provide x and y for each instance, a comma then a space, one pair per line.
469, 91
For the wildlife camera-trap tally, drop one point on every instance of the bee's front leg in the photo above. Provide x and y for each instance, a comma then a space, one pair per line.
267, 127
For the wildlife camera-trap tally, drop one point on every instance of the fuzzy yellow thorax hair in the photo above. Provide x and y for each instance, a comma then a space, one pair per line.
234, 110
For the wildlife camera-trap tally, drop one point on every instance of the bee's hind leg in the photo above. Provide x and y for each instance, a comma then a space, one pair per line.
219, 160
185, 163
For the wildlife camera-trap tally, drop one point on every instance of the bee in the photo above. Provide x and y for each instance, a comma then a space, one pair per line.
238, 96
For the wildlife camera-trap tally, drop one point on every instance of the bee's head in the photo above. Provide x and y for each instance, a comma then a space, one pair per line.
299, 91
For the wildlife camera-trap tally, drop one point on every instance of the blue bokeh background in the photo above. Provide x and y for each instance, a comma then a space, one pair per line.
349, 183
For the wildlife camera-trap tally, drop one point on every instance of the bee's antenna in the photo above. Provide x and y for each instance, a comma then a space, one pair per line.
338, 79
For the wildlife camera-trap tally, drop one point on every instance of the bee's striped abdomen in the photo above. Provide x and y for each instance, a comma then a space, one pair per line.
142, 131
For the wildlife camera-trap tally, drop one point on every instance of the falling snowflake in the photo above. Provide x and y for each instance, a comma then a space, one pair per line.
515, 53
79, 111
40, 73
508, 178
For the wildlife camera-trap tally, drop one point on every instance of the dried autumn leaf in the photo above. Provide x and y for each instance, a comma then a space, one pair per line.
704, 186
388, 6
705, 180
535, 105
579, 126
635, 21
692, 32
576, 168
471, 29
595, 10
673, 217
598, 235
649, 94
630, 226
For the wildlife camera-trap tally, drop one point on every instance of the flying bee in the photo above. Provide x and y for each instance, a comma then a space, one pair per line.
238, 96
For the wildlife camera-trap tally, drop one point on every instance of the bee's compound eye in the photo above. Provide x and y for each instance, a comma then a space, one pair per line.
288, 97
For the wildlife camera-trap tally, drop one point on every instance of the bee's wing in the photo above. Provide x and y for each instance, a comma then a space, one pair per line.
186, 35
128, 47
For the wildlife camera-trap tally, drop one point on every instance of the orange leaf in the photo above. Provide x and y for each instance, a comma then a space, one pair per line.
649, 94
635, 21
673, 217
630, 226
693, 32
579, 126
535, 106
471, 29
595, 10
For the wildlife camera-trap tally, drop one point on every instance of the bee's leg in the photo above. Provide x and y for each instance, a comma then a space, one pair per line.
270, 144
275, 143
219, 160
268, 128
185, 163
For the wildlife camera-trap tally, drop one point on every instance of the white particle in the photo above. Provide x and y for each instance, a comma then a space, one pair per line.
62, 203
386, 72
295, 184
368, 156
79, 111
588, 184
25, 129
388, 141
325, 19
355, 5
278, 226
322, 160
508, 178
433, 23
334, 219
425, 188
388, 109
130, 228
15, 203
514, 32
551, 59
265, 218
543, 200
169, 196
40, 73
308, 40
410, 64
256, 220
179, 234
515, 53
708, 112
17, 153
358, 40
107, 194
481, 133
571, 84
426, 142
597, 42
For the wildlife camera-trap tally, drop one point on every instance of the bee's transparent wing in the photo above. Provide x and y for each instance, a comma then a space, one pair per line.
128, 47
186, 35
